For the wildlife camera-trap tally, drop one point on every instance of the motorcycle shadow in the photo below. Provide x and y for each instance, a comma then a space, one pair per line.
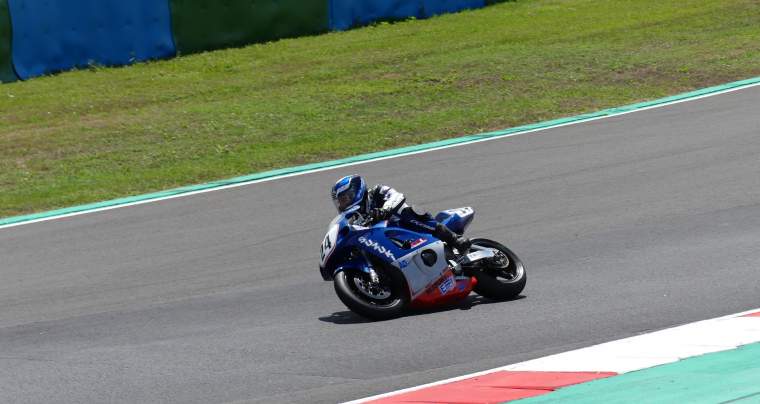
349, 317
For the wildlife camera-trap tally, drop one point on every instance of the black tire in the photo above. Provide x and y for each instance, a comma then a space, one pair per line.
366, 306
500, 283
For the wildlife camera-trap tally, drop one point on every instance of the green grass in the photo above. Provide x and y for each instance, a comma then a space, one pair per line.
103, 133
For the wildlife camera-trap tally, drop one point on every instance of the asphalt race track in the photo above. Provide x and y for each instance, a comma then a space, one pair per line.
626, 225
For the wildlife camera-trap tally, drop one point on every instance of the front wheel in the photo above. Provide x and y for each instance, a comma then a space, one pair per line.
378, 301
497, 279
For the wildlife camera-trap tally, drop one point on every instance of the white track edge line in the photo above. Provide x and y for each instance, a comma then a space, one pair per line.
316, 170
489, 371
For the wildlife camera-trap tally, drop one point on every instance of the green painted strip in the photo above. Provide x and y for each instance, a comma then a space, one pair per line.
721, 377
377, 155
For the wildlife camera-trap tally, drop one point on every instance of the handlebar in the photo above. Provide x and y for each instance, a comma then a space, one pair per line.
361, 220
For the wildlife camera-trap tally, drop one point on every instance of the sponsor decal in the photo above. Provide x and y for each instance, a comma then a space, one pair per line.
417, 242
447, 285
403, 264
377, 247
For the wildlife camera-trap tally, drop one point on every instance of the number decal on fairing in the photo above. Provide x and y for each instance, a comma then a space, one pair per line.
328, 244
460, 211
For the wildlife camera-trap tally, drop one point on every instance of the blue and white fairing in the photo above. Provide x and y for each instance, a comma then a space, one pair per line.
349, 246
337, 251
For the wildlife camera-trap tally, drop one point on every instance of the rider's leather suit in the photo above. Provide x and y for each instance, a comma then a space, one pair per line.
384, 197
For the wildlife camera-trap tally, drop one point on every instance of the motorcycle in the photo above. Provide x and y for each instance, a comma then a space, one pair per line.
380, 270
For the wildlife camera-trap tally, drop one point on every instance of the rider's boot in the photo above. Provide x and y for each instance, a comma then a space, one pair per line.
462, 244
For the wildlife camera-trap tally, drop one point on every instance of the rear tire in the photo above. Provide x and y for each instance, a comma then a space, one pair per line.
500, 283
347, 287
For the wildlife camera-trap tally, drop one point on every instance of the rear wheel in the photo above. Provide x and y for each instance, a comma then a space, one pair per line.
502, 277
378, 301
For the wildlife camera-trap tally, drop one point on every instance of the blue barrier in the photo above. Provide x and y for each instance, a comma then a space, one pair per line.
435, 7
345, 14
56, 35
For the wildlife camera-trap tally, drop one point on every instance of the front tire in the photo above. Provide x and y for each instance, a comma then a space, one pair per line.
500, 283
384, 302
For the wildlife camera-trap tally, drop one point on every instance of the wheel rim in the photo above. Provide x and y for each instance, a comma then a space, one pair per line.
372, 290
379, 294
507, 275
504, 267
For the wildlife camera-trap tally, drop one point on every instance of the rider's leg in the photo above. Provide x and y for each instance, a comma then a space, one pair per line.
426, 223
451, 238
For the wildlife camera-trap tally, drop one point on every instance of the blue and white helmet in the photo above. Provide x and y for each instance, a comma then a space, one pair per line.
348, 192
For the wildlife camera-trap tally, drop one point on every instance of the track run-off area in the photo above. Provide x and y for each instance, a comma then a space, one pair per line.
627, 225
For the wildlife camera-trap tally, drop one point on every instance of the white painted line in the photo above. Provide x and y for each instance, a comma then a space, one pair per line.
182, 195
633, 353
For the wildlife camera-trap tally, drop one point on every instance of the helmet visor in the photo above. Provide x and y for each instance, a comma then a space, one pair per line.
344, 199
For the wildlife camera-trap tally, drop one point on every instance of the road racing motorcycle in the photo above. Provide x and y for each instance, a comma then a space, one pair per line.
380, 270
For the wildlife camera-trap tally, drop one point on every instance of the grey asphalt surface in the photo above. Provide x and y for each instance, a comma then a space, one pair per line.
626, 225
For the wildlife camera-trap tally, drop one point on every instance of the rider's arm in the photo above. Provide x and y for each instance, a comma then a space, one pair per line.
389, 199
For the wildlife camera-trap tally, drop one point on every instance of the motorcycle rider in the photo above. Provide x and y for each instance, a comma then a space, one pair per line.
382, 202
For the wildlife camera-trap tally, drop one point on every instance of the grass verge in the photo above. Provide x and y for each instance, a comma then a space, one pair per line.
103, 133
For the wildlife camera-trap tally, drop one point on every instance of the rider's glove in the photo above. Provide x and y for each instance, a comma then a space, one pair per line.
378, 214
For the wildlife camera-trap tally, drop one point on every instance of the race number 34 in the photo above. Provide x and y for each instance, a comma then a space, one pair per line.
328, 244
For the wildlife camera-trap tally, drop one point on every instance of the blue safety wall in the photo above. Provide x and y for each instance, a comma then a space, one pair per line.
435, 7
345, 14
48, 36
56, 35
